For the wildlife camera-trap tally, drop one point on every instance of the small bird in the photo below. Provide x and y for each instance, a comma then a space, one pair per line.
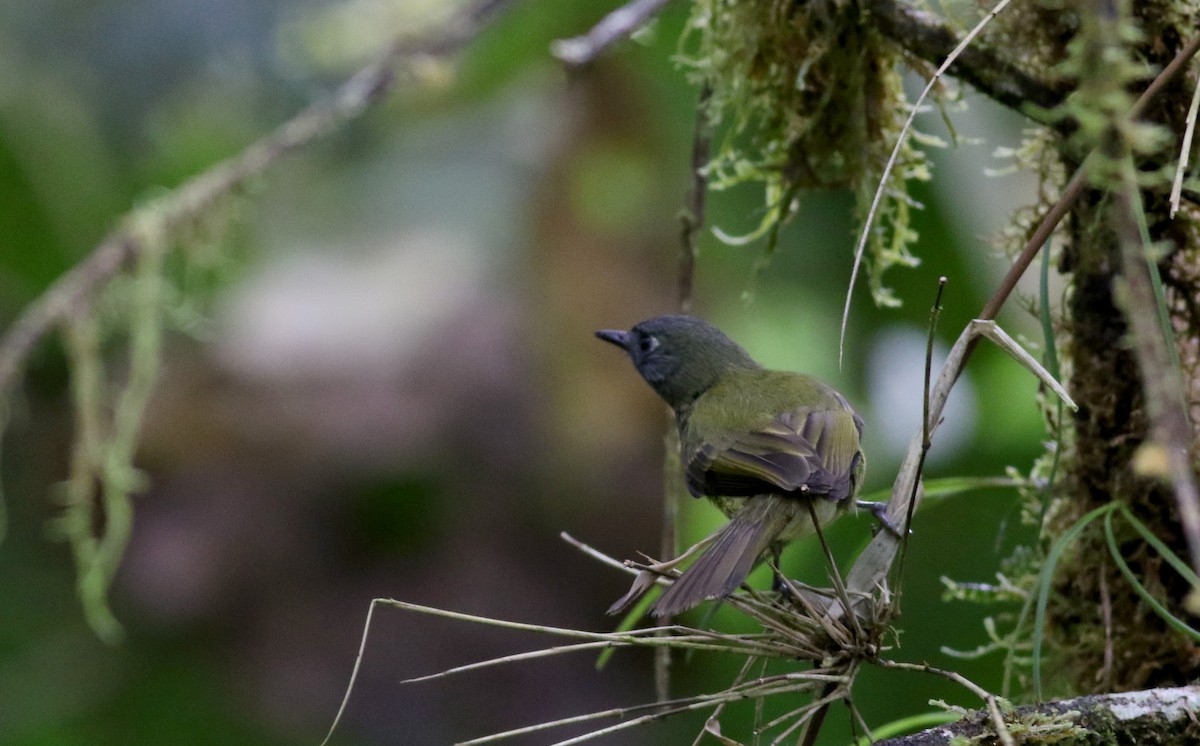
762, 445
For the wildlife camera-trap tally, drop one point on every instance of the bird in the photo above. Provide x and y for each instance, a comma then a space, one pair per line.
771, 449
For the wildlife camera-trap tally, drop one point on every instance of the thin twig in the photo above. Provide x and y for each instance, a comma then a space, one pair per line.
1185, 150
691, 221
511, 658
619, 24
834, 575
597, 554
812, 725
857, 716
935, 313
772, 685
988, 698
821, 617
812, 720
741, 676
692, 217
362, 646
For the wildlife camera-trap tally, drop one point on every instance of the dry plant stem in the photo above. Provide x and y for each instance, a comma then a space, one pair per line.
871, 569
196, 197
988, 698
512, 658
668, 541
858, 717
812, 727
814, 718
1185, 149
826, 624
768, 686
596, 553
1105, 673
692, 218
741, 676
619, 24
835, 576
926, 441
362, 646
691, 221
891, 163
1161, 382
682, 638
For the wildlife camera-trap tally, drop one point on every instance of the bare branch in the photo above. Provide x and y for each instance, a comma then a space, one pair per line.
580, 50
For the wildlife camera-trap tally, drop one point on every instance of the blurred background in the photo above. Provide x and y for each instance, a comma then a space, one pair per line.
380, 377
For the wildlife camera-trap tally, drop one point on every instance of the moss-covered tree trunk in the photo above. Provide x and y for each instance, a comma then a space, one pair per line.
1102, 634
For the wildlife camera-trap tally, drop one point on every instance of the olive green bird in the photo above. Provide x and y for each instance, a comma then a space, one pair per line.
763, 445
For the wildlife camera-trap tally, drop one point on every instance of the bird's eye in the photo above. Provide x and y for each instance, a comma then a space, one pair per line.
648, 344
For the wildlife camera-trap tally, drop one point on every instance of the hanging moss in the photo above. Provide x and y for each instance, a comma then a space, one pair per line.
809, 96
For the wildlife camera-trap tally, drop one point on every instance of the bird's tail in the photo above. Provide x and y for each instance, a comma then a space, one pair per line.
733, 553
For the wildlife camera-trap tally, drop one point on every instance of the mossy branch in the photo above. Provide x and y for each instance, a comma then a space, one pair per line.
1150, 716
927, 37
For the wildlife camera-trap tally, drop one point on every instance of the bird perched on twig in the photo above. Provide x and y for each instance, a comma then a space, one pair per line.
763, 445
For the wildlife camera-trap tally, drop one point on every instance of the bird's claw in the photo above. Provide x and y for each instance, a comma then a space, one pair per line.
879, 510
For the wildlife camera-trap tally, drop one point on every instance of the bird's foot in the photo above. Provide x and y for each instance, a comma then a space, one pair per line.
879, 510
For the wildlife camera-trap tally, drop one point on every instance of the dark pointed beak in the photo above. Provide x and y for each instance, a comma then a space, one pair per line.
616, 337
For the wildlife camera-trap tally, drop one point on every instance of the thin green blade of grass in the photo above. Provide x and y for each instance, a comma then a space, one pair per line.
1165, 551
1173, 621
628, 622
908, 725
949, 486
1043, 588
1160, 298
1051, 348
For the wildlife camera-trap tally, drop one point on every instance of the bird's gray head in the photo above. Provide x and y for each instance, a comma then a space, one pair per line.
680, 356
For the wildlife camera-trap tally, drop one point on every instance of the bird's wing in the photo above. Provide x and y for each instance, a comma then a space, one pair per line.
800, 450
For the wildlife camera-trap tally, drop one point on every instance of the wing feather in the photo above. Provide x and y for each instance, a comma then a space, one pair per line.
812, 451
